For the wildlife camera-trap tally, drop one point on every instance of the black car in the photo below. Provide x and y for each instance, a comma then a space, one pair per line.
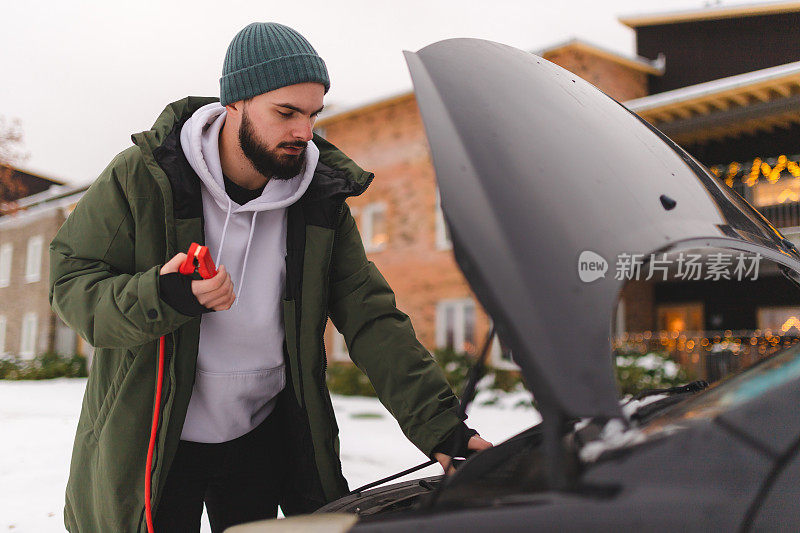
535, 167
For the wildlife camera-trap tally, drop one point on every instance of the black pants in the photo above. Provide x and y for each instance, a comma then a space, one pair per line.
238, 480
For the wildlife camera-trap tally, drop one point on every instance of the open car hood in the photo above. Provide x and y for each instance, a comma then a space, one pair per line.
536, 166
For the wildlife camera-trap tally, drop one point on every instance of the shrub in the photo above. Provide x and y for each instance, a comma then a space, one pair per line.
455, 366
349, 380
637, 372
45, 366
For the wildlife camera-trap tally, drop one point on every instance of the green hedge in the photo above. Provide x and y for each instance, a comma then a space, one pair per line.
635, 372
347, 379
45, 366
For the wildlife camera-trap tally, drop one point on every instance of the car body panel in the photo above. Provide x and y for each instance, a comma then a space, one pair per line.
536, 166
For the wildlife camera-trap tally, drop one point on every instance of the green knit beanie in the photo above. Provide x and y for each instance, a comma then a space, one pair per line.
265, 56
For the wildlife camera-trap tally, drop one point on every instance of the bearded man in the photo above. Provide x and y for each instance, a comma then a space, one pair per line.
245, 422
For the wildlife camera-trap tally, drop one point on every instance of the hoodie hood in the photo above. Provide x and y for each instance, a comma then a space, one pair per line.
200, 143
336, 174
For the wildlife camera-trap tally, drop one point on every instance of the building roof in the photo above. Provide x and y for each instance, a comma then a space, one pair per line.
709, 13
29, 183
654, 67
43, 203
649, 66
755, 101
357, 109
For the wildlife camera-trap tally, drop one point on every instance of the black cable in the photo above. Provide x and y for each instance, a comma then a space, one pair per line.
474, 375
361, 489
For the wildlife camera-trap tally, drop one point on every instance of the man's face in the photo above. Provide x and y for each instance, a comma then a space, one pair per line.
276, 126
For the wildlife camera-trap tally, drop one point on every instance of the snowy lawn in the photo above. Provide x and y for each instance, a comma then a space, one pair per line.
38, 421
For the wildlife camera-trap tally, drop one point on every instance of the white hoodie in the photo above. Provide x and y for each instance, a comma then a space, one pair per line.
240, 365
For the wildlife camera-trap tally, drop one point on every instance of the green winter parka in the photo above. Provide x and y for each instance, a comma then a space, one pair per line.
143, 209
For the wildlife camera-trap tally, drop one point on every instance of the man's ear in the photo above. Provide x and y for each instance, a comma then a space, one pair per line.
234, 109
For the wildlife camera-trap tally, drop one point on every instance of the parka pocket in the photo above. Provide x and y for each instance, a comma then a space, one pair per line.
111, 394
290, 329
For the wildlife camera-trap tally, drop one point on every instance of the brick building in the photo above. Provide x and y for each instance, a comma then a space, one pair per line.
399, 217
28, 327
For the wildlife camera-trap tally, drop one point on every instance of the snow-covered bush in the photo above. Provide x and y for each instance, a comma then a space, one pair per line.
652, 370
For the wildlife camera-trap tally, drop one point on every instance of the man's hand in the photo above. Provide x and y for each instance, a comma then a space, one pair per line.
215, 293
475, 443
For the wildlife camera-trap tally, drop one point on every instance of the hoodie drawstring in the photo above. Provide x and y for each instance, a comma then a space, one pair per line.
246, 253
224, 230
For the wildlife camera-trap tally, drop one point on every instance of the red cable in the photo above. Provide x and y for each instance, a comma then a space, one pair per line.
153, 434
206, 268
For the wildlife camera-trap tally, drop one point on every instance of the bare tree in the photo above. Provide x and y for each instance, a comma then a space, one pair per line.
11, 154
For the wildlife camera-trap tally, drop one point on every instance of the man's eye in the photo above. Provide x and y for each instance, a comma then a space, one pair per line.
287, 115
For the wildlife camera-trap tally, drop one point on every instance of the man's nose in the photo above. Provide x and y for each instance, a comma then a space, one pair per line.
304, 130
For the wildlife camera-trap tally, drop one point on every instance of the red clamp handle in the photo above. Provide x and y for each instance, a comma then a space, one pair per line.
198, 259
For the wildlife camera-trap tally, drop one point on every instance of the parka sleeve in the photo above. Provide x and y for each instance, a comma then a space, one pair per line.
382, 343
94, 287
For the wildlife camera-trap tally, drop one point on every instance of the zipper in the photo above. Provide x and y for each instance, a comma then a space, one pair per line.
339, 213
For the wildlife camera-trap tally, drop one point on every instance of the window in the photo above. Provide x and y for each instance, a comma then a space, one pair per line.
455, 325
2, 335
780, 320
442, 233
782, 190
6, 251
27, 346
338, 347
33, 262
680, 317
373, 227
500, 355
65, 339
619, 322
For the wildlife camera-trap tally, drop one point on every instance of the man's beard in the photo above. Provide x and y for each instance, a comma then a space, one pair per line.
270, 163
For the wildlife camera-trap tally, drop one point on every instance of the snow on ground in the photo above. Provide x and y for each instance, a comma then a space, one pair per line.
38, 421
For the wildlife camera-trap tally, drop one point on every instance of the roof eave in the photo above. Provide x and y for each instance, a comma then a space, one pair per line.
713, 13
654, 67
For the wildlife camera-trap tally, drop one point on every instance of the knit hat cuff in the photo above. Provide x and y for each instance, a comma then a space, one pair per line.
273, 74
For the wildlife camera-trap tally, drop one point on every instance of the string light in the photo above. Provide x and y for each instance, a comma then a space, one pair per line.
759, 169
766, 343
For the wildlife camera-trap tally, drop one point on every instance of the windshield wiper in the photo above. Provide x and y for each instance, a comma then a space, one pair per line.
673, 396
694, 386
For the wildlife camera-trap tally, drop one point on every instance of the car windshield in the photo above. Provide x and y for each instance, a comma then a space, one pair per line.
699, 314
762, 378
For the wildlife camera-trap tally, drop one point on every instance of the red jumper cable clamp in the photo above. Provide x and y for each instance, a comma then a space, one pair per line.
199, 265
198, 260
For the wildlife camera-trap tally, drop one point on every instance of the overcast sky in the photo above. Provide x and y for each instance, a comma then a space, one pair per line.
83, 75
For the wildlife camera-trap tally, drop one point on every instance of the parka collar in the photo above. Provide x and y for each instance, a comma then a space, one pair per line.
333, 164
